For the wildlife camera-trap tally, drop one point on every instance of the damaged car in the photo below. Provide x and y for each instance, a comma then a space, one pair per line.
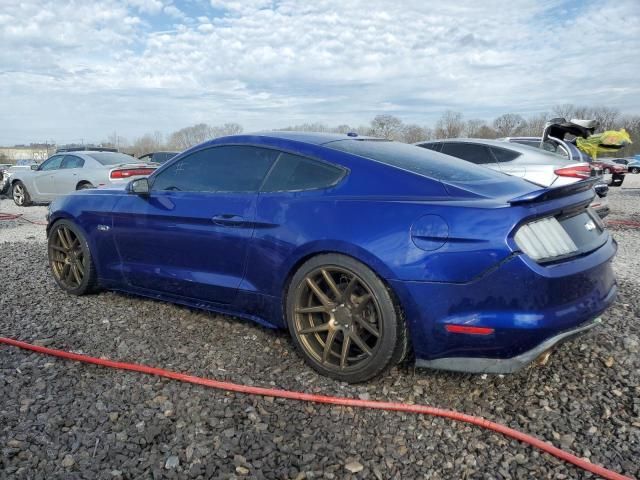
368, 251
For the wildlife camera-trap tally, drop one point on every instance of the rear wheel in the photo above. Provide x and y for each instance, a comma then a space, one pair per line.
85, 186
70, 259
635, 170
343, 319
20, 194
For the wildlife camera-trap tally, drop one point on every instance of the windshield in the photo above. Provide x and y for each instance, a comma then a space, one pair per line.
417, 160
112, 158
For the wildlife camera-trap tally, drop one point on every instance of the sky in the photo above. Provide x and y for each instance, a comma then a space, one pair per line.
75, 71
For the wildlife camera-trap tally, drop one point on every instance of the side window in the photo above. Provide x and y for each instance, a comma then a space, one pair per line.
503, 155
218, 169
432, 146
52, 164
71, 161
292, 173
470, 152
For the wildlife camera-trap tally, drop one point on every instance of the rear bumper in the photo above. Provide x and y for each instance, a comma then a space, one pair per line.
527, 306
506, 365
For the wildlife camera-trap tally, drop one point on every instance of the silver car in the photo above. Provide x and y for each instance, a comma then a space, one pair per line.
535, 165
65, 172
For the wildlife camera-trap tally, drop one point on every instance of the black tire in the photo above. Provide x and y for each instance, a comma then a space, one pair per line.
20, 194
66, 239
385, 340
85, 186
635, 170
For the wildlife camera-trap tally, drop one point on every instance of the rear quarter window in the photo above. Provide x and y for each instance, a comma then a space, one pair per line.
417, 160
294, 173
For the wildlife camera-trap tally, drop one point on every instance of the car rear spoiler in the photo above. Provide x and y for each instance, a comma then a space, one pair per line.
545, 194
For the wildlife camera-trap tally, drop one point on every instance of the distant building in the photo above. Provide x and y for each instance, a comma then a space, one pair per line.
36, 152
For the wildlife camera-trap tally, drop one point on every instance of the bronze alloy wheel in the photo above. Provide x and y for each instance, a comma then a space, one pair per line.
68, 260
337, 318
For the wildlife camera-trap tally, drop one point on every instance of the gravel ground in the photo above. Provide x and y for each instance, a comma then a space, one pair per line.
64, 420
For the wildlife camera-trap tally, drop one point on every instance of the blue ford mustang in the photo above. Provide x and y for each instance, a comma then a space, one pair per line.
366, 249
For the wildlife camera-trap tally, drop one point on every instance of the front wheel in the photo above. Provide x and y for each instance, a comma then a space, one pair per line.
343, 319
70, 259
20, 194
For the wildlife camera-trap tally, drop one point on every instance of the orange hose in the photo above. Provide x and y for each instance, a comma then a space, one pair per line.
347, 402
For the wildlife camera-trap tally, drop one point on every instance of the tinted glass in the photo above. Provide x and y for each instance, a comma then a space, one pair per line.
417, 160
293, 172
218, 169
53, 163
432, 146
71, 161
503, 155
161, 157
112, 158
478, 154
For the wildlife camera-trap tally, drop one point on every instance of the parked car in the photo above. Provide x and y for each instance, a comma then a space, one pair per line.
616, 170
7, 170
535, 165
632, 164
362, 247
66, 172
157, 157
559, 136
4, 177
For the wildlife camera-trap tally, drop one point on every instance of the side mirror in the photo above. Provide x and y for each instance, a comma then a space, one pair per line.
140, 187
34, 167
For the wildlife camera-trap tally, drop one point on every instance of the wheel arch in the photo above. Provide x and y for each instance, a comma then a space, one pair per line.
82, 182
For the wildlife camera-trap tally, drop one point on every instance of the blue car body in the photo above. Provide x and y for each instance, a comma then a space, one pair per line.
445, 247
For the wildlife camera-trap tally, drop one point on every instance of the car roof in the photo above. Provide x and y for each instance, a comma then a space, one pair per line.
314, 138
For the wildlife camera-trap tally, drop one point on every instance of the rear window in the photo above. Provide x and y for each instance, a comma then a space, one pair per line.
111, 158
417, 160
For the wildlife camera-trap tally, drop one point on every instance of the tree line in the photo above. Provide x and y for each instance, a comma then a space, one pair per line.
451, 124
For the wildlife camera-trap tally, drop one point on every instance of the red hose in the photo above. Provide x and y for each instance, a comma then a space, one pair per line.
628, 223
347, 402
18, 216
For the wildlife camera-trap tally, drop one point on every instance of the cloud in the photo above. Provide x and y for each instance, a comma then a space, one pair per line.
142, 65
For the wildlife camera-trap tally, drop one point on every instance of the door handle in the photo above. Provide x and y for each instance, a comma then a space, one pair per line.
228, 220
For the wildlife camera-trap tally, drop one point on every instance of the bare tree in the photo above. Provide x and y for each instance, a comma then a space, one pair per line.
226, 129
508, 124
190, 136
473, 127
413, 133
534, 125
450, 125
605, 116
387, 126
150, 142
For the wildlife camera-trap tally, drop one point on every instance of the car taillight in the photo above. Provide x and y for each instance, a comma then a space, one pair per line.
544, 239
575, 171
131, 172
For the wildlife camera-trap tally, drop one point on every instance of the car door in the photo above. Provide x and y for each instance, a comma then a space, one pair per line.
471, 152
43, 178
189, 237
65, 179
